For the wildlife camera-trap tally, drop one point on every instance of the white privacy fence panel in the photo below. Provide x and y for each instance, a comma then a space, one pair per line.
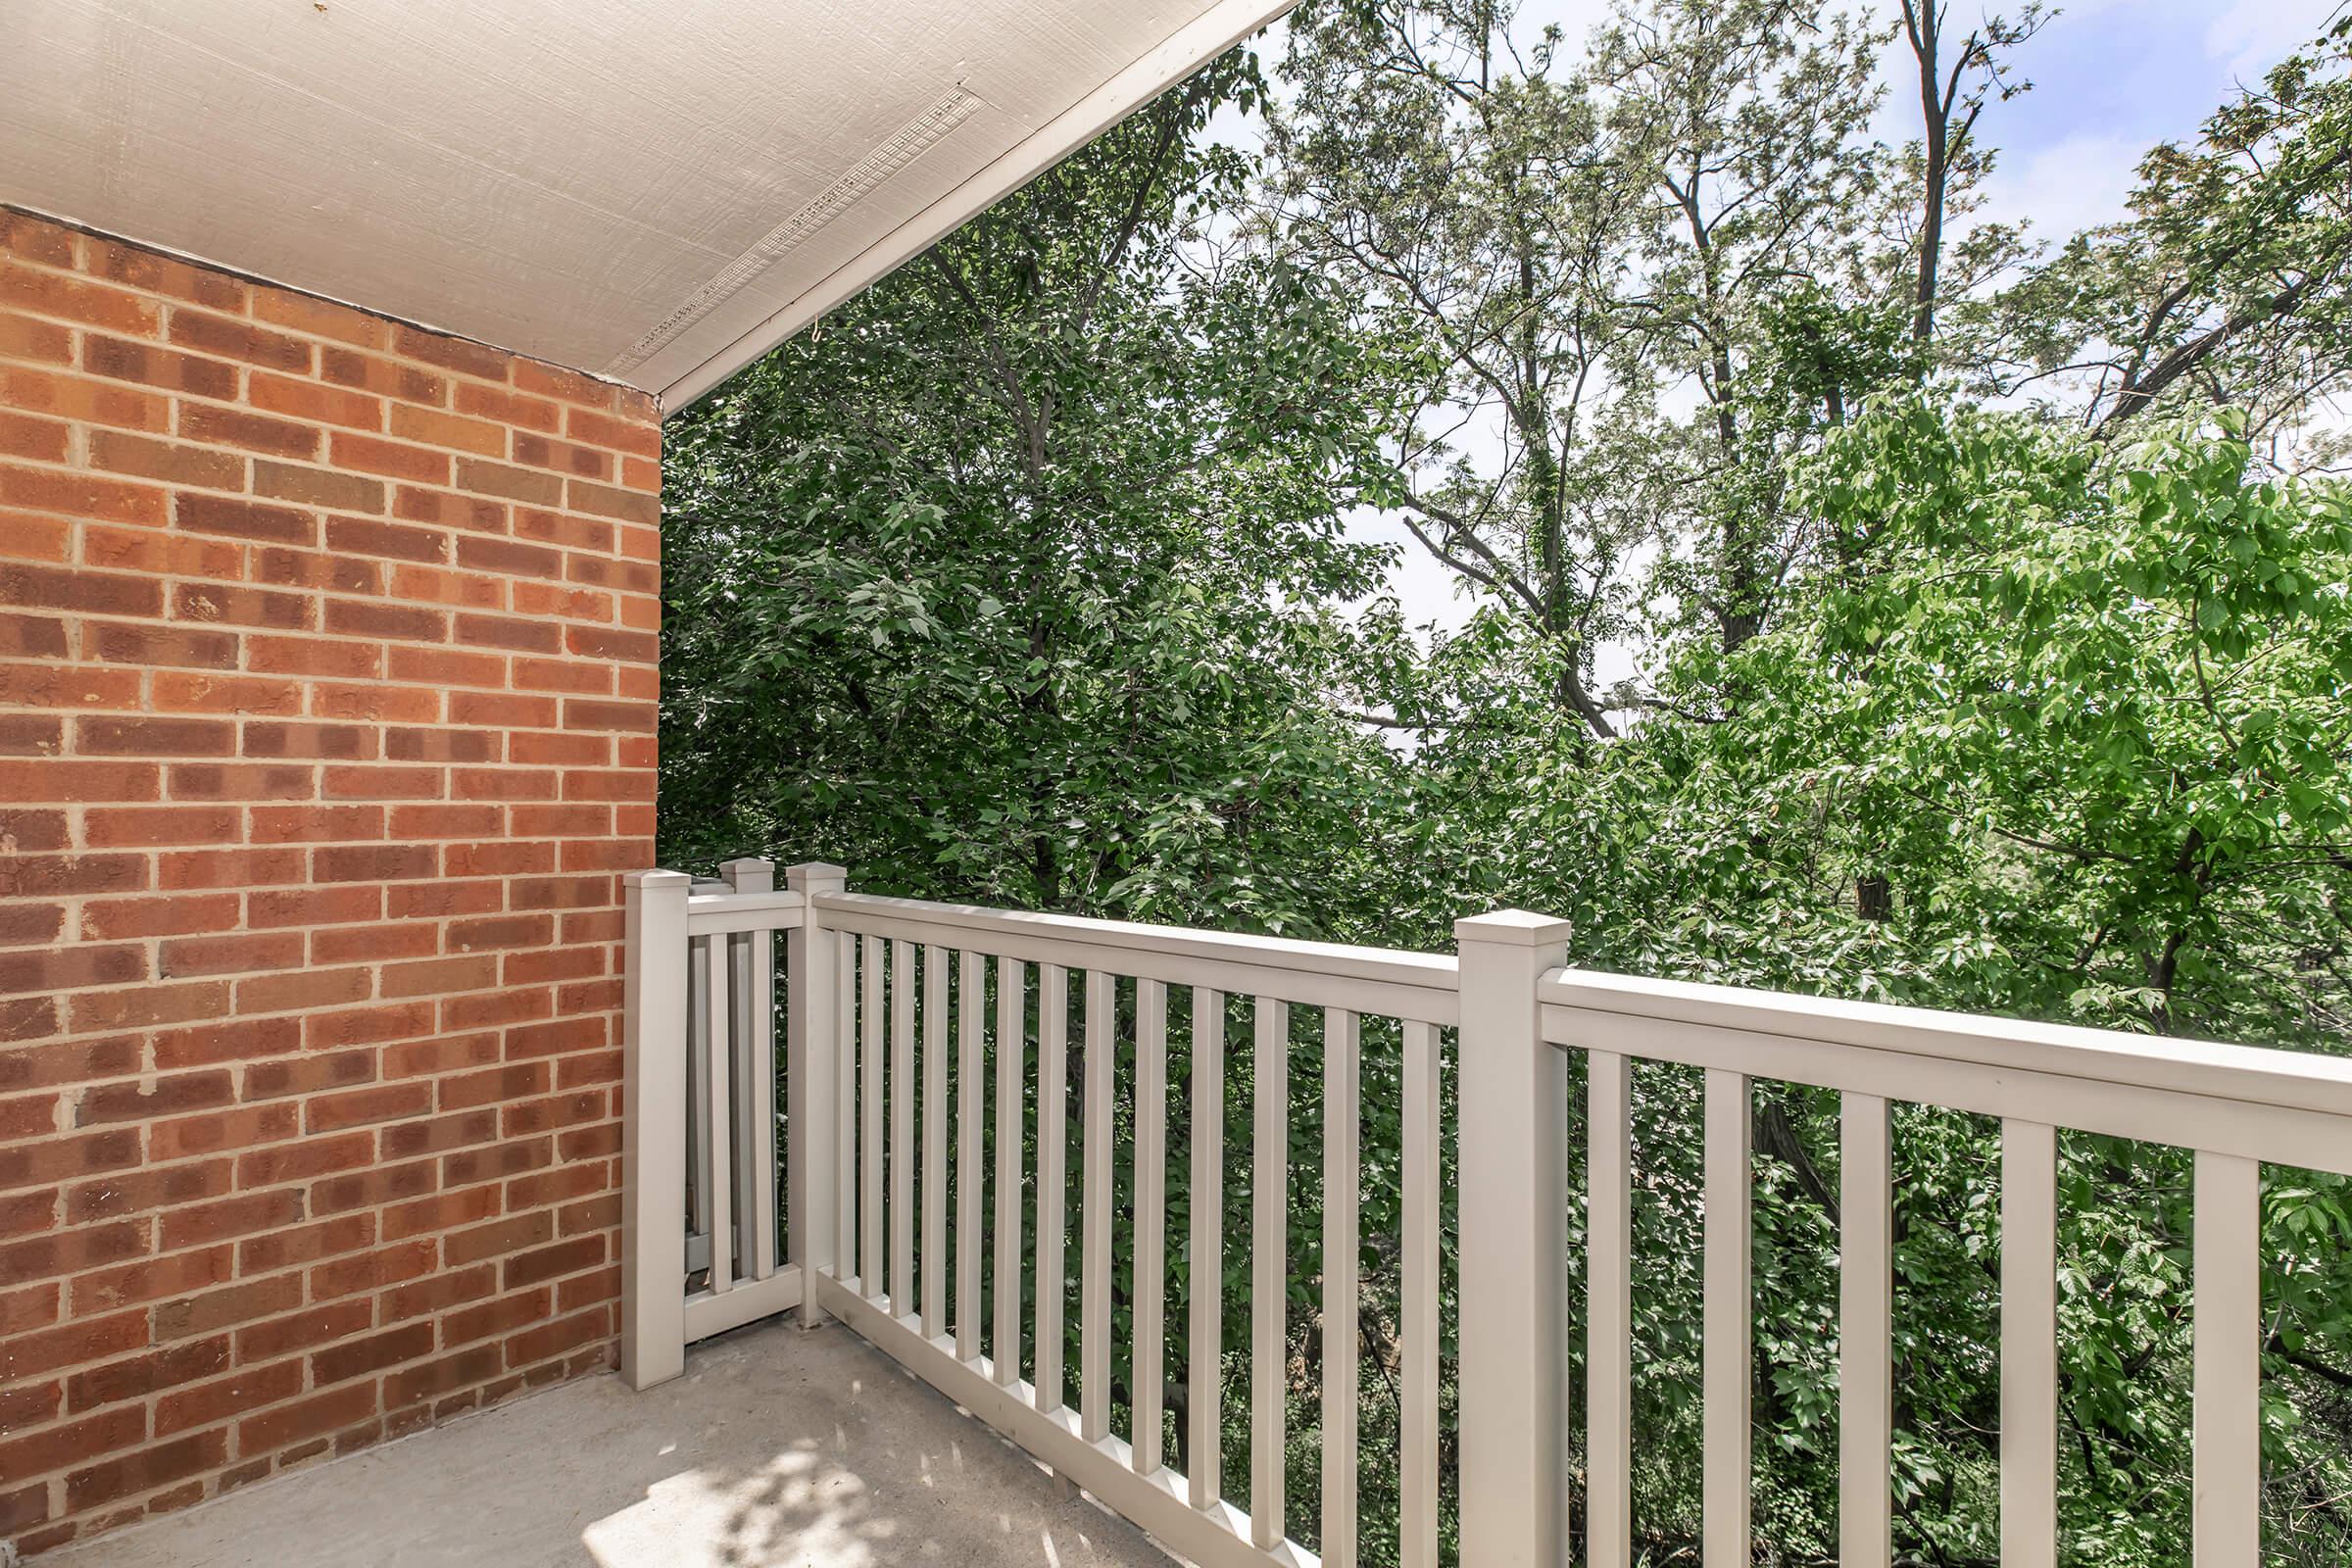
954, 1187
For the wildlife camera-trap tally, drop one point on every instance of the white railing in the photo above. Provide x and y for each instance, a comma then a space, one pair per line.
909, 1032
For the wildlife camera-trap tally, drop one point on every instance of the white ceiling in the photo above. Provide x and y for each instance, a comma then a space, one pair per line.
653, 190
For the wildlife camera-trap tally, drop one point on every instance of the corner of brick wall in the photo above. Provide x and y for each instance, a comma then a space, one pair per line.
327, 707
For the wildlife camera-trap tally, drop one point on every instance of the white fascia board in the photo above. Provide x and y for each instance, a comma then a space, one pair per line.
1208, 36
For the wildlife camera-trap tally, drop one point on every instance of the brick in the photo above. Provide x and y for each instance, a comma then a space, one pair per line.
149, 1280
539, 452
314, 656
548, 380
220, 1130
215, 603
230, 1040
446, 666
120, 918
179, 646
230, 954
146, 1469
367, 536
315, 824
309, 1075
181, 869
135, 1377
162, 1097
42, 440
450, 353
306, 1243
254, 432
622, 435
35, 876
209, 1402
318, 487
314, 402
140, 1191
305, 1160
357, 1108
213, 1310
432, 427
301, 1331
151, 825
604, 501
199, 1224
240, 340
80, 494
22, 337
303, 989
151, 274
71, 968
348, 449
555, 1339
359, 618
73, 298
373, 943
71, 397
244, 519
40, 1452
234, 781
329, 742
373, 1271
120, 452
299, 313
439, 507
508, 408
89, 592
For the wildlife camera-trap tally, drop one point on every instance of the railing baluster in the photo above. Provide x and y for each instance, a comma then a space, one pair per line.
1269, 1278
1727, 1364
1205, 1258
1148, 1361
935, 1142
845, 1105
698, 1095
901, 1129
1610, 1315
1012, 1070
718, 1115
2029, 1344
812, 1084
1417, 1524
971, 1111
1053, 1144
871, 1263
2227, 1315
754, 993
1094, 1264
1342, 1108
1865, 1325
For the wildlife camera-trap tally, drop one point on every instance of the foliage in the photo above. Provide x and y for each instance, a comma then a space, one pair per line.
1026, 580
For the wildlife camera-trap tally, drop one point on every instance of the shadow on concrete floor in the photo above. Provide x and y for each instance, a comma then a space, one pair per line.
778, 1449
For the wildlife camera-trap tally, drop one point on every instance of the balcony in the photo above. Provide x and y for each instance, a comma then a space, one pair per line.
978, 1150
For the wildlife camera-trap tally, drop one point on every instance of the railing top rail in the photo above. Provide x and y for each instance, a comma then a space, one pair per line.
713, 908
1229, 960
2253, 1075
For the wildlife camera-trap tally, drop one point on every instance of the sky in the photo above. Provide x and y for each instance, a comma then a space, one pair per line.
2110, 79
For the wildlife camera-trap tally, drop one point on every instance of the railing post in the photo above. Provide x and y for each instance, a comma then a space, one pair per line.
810, 1074
652, 1246
1513, 1101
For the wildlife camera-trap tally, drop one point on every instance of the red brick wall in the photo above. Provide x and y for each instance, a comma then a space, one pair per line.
327, 712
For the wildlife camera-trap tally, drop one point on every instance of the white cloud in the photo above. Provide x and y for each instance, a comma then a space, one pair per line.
2067, 185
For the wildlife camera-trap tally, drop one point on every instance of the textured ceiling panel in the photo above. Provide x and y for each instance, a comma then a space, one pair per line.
652, 189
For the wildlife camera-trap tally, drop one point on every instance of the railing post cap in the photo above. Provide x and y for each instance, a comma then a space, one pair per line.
749, 873
813, 875
657, 881
1516, 928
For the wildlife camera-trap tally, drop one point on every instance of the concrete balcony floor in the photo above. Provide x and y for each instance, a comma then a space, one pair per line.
778, 1449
